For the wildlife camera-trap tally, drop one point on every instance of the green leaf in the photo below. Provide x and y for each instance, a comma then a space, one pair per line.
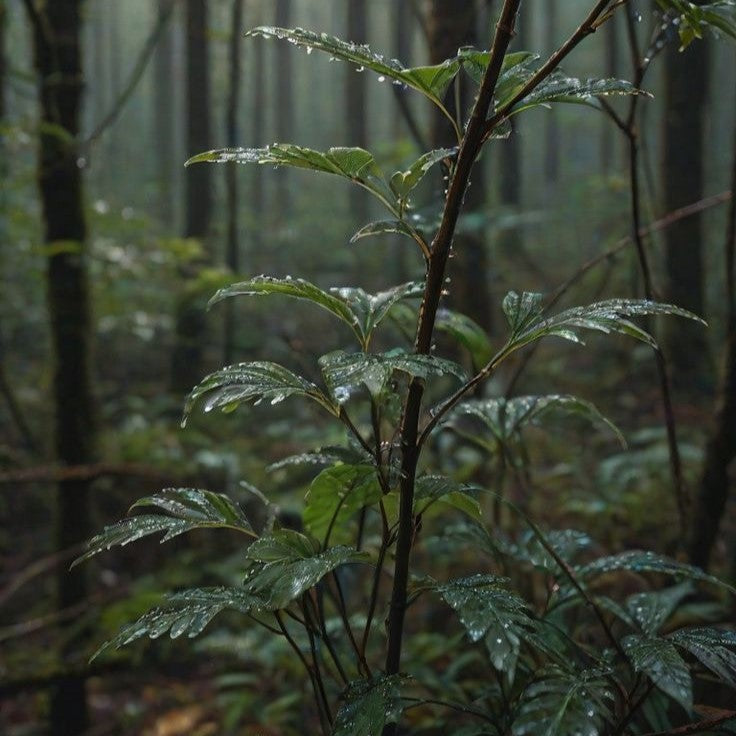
558, 87
343, 371
256, 381
431, 81
648, 562
383, 227
369, 310
489, 611
468, 333
287, 563
187, 612
651, 609
524, 314
404, 182
330, 455
438, 489
335, 495
368, 705
354, 164
567, 544
560, 703
714, 648
189, 508
659, 661
295, 288
505, 418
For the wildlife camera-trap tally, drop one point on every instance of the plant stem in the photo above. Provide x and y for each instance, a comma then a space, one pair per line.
439, 254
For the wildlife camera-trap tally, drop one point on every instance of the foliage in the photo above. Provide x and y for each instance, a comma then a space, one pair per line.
575, 660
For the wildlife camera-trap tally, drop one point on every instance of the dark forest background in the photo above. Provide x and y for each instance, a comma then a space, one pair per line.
110, 248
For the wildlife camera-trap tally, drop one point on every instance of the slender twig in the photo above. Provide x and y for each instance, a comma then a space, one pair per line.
317, 670
587, 27
461, 707
321, 630
374, 597
699, 727
345, 419
343, 611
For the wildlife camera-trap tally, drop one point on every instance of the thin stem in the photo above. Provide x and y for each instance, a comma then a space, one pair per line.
342, 608
345, 419
316, 668
440, 251
374, 597
460, 707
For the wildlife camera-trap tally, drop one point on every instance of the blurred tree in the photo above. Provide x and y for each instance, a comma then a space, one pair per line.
609, 136
258, 133
232, 256
721, 445
451, 24
57, 54
685, 89
356, 119
188, 354
552, 129
164, 119
284, 112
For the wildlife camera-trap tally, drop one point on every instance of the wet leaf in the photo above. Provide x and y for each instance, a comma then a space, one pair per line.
714, 648
659, 661
368, 705
561, 703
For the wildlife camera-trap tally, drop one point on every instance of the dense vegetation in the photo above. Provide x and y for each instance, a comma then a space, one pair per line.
437, 531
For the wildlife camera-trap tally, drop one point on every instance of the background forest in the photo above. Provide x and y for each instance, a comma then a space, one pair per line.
107, 265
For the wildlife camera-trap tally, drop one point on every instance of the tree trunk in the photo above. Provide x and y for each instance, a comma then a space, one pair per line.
58, 63
552, 129
451, 25
188, 357
685, 85
164, 120
231, 172
258, 132
355, 100
285, 104
721, 446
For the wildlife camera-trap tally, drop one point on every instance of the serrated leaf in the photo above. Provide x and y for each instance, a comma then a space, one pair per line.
468, 333
383, 227
659, 661
561, 703
524, 313
505, 418
287, 563
295, 288
558, 87
344, 371
369, 310
335, 495
251, 382
567, 544
404, 182
368, 705
187, 612
190, 509
330, 455
355, 164
431, 81
651, 609
639, 561
489, 611
714, 648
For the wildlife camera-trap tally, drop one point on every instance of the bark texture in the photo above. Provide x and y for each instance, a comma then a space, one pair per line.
58, 63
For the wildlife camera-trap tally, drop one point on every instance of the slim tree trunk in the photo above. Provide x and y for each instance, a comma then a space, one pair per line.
355, 100
552, 130
721, 446
285, 103
57, 59
164, 119
188, 357
231, 172
685, 85
258, 132
451, 25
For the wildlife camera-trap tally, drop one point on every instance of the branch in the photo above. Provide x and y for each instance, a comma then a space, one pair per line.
135, 76
587, 27
698, 727
55, 473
